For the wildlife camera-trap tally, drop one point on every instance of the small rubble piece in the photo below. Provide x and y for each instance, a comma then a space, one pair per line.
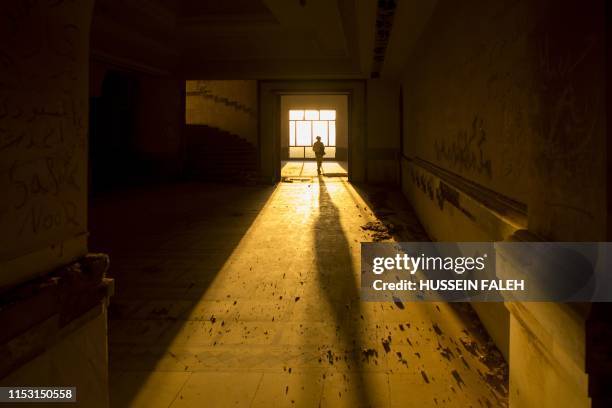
437, 329
489, 355
469, 345
401, 358
445, 352
492, 358
424, 374
497, 376
213, 319
380, 236
387, 344
401, 327
330, 357
374, 226
398, 303
369, 353
380, 230
458, 378
297, 298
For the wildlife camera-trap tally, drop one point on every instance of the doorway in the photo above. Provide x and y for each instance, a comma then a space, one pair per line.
273, 135
303, 119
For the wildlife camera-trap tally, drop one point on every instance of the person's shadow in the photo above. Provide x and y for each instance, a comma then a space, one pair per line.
339, 288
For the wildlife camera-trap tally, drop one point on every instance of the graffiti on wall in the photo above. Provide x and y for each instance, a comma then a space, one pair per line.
437, 191
43, 125
204, 91
567, 121
466, 150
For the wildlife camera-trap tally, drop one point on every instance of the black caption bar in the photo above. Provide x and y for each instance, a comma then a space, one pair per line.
37, 394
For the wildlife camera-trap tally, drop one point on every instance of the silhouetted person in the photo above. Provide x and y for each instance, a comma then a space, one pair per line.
319, 150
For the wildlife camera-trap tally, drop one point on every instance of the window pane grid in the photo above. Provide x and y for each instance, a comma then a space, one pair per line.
332, 133
291, 133
296, 115
305, 126
304, 132
328, 115
311, 115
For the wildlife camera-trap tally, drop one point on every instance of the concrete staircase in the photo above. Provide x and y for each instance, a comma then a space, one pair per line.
216, 155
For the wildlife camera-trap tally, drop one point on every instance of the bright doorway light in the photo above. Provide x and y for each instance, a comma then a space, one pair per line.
304, 127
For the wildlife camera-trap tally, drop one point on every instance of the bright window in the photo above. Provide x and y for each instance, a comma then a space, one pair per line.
311, 115
305, 126
296, 115
328, 115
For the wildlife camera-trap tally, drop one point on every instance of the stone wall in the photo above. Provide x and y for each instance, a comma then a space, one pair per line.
383, 127
228, 105
43, 136
507, 96
504, 101
44, 109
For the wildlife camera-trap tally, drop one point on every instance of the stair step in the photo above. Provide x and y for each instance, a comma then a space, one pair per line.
215, 154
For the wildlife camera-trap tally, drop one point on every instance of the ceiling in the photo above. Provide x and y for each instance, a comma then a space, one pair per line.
238, 39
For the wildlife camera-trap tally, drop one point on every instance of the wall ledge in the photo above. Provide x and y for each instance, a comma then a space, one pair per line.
30, 265
505, 207
39, 313
452, 208
550, 333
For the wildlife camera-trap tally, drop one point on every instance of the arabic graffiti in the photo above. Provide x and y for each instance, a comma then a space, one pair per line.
437, 191
466, 151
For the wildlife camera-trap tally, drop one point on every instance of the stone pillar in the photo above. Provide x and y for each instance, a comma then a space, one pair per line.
53, 326
567, 195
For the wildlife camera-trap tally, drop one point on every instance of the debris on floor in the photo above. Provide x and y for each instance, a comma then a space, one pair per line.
401, 358
369, 353
378, 226
445, 352
380, 230
458, 378
398, 303
283, 312
387, 344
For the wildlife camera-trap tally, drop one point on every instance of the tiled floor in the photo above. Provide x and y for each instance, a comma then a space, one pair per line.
308, 168
248, 296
